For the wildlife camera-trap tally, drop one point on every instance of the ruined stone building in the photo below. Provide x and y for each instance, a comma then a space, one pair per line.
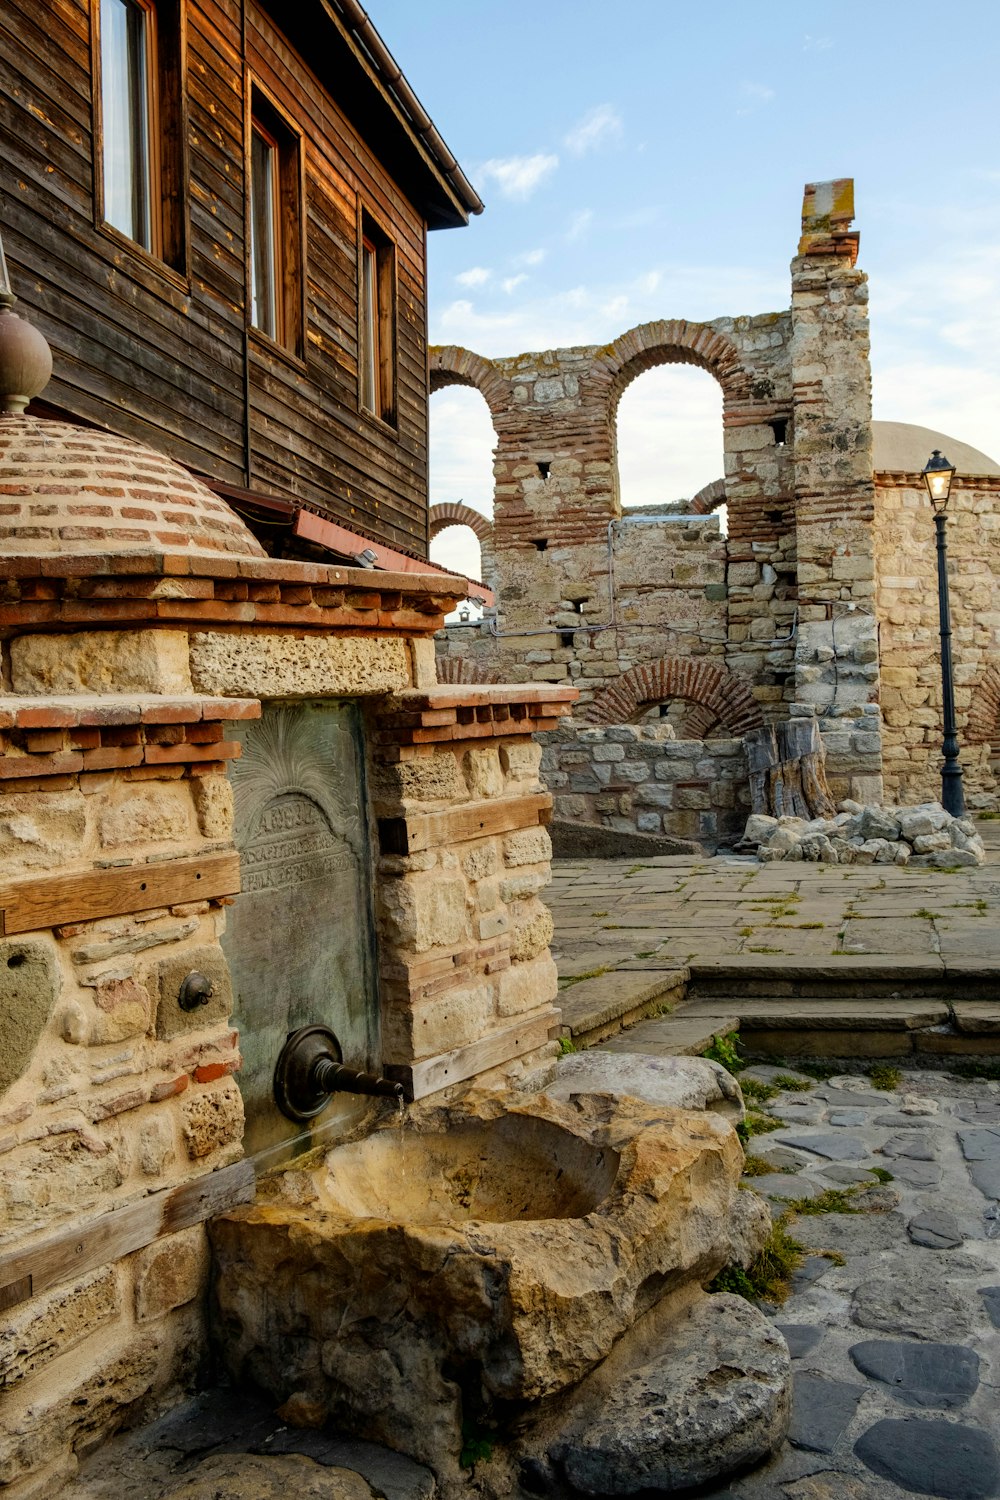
821, 599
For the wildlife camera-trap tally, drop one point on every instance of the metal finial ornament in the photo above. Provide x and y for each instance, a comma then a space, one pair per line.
25, 357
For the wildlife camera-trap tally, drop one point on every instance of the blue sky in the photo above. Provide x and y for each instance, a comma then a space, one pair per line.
646, 160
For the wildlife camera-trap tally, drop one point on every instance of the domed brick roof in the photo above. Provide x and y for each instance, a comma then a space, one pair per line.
66, 489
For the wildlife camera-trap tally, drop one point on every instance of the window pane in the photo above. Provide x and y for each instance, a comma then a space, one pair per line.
125, 101
368, 354
263, 280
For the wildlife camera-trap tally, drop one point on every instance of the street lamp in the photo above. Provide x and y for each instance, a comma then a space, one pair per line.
938, 474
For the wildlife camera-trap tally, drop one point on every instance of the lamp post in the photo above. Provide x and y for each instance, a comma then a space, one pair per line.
938, 474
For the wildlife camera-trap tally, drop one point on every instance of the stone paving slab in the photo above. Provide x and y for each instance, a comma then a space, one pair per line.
592, 1003
680, 1037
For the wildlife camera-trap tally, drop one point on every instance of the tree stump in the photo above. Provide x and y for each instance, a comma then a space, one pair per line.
787, 765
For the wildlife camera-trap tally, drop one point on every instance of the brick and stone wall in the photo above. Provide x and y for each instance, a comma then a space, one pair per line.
907, 603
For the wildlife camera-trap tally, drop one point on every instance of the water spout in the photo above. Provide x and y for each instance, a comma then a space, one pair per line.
311, 1069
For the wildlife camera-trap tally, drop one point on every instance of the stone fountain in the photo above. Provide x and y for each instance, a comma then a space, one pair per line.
517, 1279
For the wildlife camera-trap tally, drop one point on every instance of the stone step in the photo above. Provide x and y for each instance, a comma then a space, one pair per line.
678, 1035
842, 976
821, 1014
593, 1009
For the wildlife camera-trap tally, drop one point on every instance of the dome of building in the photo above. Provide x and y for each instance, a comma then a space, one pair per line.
67, 489
903, 448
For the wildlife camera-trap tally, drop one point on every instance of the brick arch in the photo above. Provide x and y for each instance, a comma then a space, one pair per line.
457, 514
708, 499
983, 724
717, 695
451, 365
463, 669
676, 342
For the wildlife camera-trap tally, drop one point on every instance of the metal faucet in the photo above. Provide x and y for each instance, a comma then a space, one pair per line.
311, 1068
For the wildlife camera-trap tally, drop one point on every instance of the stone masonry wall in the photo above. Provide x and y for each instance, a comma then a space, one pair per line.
907, 603
109, 1091
639, 778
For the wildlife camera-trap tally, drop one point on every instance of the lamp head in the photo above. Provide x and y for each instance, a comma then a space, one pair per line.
938, 474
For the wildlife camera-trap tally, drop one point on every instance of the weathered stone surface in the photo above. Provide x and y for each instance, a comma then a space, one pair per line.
482, 771
41, 833
981, 1149
282, 666
938, 1375
919, 1309
170, 1272
147, 813
801, 1338
944, 1459
529, 846
821, 1411
714, 1399
914, 1147
504, 1237
831, 1144
828, 1486
47, 1326
426, 911
213, 803
212, 1119
935, 1229
103, 661
531, 930
170, 973
528, 986
680, 1082
245, 1476
29, 985
991, 1301
918, 1174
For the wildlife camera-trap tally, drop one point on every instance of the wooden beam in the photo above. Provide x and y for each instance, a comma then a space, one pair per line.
434, 1073
471, 821
77, 1249
50, 900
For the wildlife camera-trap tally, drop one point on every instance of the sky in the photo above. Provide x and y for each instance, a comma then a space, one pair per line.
646, 160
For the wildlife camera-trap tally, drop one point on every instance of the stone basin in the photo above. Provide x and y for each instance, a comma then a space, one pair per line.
481, 1257
513, 1168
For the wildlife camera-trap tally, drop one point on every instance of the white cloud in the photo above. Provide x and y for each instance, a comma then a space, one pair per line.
598, 127
529, 258
579, 224
816, 43
754, 97
513, 282
474, 276
517, 177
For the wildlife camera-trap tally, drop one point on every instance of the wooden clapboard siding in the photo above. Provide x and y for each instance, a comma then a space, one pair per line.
158, 353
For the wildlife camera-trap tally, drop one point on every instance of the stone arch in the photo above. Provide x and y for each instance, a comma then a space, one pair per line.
454, 513
675, 342
464, 669
451, 365
708, 499
983, 724
717, 695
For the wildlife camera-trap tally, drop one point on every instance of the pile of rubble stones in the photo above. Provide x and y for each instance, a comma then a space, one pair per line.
868, 834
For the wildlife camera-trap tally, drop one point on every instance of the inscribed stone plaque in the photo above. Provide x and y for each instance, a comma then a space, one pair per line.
299, 937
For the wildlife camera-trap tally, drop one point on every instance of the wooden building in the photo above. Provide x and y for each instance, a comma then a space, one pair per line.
216, 211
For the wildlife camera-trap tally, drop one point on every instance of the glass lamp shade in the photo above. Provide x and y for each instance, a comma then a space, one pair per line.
938, 474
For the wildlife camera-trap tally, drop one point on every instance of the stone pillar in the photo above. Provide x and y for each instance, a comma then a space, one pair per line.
837, 649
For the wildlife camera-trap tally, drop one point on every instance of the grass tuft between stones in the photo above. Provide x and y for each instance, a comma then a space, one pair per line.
884, 1077
767, 1278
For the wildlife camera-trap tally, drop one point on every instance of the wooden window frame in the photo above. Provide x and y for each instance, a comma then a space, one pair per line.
166, 151
265, 119
383, 342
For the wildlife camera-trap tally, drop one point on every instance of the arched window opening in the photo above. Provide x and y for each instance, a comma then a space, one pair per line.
462, 441
669, 437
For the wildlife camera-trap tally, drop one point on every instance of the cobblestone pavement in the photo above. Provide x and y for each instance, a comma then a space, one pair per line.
893, 1319
674, 909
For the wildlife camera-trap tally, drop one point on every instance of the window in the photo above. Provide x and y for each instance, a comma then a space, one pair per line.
265, 248
141, 181
127, 40
377, 322
276, 282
